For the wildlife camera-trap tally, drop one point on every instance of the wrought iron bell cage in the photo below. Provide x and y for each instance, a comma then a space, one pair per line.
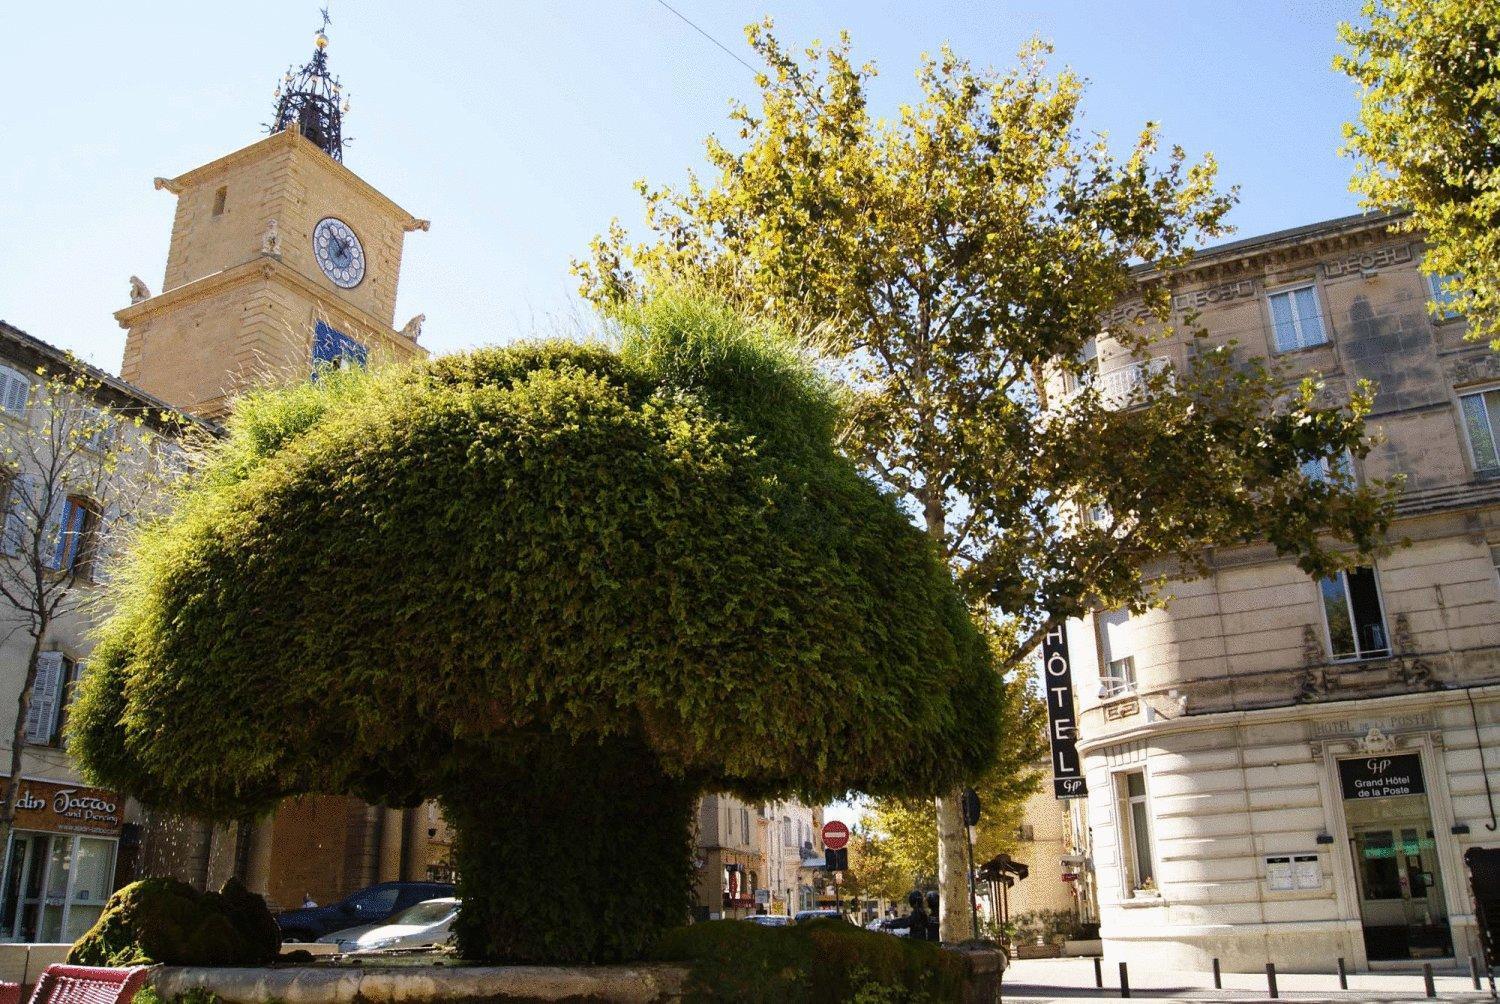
312, 101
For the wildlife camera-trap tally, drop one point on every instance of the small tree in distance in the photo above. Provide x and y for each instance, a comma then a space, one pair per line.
951, 265
72, 467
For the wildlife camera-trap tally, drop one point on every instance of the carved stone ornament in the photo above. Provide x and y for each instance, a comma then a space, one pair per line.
138, 290
1376, 741
270, 241
1318, 679
1474, 369
413, 329
1414, 672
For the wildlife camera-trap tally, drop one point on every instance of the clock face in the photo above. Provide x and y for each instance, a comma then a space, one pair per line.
339, 253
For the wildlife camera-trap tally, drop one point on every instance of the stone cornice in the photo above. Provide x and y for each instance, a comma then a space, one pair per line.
291, 139
1290, 712
262, 266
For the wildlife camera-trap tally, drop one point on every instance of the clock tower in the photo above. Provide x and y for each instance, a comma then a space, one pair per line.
281, 259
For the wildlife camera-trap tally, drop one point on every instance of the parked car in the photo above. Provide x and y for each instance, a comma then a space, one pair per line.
806, 915
899, 926
372, 905
770, 919
427, 923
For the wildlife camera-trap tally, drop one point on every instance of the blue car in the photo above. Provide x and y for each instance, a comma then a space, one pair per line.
368, 906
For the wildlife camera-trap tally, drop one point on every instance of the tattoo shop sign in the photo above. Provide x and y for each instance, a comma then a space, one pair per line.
1062, 722
54, 807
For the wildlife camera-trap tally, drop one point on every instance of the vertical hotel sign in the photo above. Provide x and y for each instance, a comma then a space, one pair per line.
1062, 723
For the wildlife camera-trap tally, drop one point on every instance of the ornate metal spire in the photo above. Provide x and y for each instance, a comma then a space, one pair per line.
313, 101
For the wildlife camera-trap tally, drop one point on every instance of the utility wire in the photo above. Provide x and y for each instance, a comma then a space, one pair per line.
724, 48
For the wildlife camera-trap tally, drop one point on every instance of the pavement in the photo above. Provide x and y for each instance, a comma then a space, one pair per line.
1070, 980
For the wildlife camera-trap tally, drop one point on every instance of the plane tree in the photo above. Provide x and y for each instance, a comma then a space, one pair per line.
563, 589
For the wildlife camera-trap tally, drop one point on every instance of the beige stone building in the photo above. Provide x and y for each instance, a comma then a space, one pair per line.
1286, 770
755, 858
71, 844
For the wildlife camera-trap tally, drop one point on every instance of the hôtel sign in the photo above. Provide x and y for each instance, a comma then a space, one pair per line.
1384, 775
1062, 722
53, 807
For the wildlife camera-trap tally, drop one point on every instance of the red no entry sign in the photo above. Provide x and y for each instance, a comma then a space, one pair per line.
835, 835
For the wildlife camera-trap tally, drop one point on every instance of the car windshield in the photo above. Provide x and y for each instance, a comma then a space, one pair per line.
432, 912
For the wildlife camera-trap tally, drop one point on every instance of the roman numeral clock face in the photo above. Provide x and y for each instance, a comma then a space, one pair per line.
339, 253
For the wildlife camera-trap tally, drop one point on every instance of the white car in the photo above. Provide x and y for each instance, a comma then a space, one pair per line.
427, 923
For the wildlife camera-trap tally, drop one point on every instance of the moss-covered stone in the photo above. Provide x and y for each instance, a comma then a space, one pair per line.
810, 963
162, 920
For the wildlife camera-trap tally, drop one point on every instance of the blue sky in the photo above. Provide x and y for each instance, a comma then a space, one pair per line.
519, 128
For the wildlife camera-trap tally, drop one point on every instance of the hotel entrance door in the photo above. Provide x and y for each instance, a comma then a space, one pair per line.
1401, 904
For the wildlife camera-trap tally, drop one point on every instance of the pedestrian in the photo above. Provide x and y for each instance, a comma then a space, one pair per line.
932, 916
917, 919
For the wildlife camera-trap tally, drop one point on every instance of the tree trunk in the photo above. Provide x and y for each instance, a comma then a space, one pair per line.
955, 911
12, 786
567, 854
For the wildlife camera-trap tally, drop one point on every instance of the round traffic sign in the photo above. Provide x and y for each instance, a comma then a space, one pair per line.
835, 835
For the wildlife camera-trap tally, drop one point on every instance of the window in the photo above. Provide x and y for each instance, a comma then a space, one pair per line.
1088, 359
1322, 471
1480, 411
331, 347
219, 197
1442, 299
77, 533
745, 825
1131, 790
1115, 653
15, 388
1296, 318
375, 904
1351, 606
49, 692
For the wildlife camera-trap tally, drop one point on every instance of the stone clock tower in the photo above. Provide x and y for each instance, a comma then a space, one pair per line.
281, 258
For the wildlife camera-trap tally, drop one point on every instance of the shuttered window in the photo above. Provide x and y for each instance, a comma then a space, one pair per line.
15, 388
46, 698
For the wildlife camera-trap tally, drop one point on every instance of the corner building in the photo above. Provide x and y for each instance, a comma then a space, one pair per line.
1288, 770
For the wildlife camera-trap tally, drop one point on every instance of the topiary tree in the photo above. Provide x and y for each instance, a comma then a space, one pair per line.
561, 588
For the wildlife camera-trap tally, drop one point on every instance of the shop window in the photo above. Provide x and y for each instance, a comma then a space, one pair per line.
1117, 658
1351, 609
1443, 296
1481, 411
55, 885
1296, 318
1140, 873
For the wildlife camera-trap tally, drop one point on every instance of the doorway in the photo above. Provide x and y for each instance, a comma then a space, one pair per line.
1397, 874
55, 885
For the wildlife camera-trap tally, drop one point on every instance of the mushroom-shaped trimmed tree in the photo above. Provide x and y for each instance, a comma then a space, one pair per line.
561, 588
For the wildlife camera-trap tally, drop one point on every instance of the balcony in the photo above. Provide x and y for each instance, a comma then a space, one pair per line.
1126, 386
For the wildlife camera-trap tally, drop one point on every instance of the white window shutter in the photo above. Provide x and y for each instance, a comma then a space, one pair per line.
41, 713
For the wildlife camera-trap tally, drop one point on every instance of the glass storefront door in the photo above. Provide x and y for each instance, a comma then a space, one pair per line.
55, 885
1400, 885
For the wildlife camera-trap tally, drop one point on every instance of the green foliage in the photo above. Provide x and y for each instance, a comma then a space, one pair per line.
194, 995
950, 264
538, 549
1428, 136
896, 847
822, 960
161, 920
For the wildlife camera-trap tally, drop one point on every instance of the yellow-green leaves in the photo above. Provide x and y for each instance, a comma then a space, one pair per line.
1428, 138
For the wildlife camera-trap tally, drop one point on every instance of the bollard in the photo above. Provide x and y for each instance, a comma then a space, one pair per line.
1099, 972
1271, 979
1124, 981
1218, 979
1427, 979
1343, 975
1474, 972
